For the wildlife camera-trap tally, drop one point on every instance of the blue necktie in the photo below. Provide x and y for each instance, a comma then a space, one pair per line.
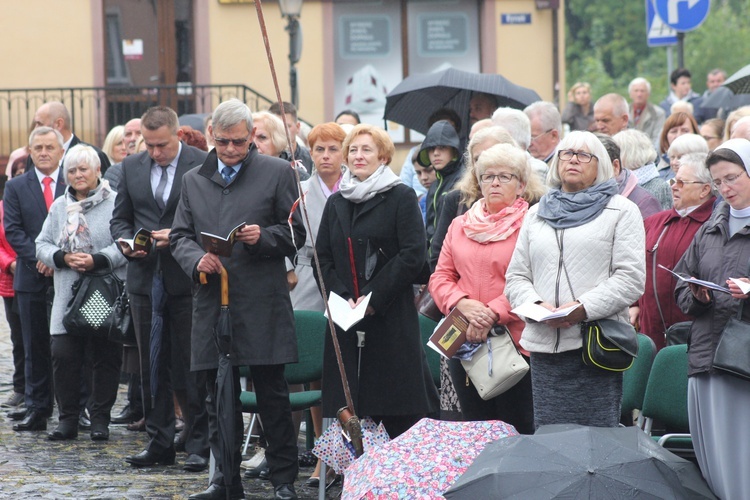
228, 174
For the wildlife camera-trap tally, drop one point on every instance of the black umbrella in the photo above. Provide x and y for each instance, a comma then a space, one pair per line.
158, 301
571, 461
739, 82
418, 96
724, 98
225, 394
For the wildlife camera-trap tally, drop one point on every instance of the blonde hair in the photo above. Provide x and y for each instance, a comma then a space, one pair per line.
380, 137
275, 128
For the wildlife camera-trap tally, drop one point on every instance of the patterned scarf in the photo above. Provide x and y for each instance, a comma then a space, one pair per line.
76, 235
484, 227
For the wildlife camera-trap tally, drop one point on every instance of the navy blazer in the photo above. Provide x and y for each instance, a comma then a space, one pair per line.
25, 213
135, 208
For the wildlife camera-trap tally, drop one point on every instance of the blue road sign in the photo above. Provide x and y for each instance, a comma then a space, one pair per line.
683, 15
658, 34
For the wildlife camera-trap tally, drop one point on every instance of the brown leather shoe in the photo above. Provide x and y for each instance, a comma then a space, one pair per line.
140, 425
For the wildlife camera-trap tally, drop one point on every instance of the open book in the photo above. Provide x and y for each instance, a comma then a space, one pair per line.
343, 314
696, 281
141, 240
539, 313
220, 245
450, 334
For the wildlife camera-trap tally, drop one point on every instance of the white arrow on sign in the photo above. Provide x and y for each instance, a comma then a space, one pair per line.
672, 9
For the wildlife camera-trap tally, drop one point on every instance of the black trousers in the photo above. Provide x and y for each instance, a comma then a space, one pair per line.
275, 413
32, 309
16, 339
159, 407
515, 406
68, 354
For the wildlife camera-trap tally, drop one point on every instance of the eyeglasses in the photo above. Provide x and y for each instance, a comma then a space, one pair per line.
680, 183
710, 137
540, 135
728, 180
490, 178
567, 155
225, 142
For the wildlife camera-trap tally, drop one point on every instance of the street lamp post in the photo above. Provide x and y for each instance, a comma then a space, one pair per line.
291, 10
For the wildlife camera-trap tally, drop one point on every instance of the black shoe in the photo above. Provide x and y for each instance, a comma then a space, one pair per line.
126, 416
18, 414
147, 458
65, 430
218, 492
260, 472
99, 432
34, 421
13, 401
179, 441
195, 463
84, 423
285, 492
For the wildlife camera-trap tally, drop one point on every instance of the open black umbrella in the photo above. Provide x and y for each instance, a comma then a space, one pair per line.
225, 394
571, 462
158, 301
724, 98
418, 96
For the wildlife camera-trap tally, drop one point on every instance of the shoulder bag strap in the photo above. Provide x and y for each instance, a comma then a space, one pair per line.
653, 276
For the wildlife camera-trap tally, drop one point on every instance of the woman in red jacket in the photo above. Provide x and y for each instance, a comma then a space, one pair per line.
470, 275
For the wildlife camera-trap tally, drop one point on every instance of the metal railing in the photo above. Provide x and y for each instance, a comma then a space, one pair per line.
95, 110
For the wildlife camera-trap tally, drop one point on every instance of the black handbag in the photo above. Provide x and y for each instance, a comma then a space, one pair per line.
121, 329
733, 351
426, 306
609, 344
89, 311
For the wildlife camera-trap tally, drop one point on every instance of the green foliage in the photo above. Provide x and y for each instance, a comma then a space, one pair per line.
606, 45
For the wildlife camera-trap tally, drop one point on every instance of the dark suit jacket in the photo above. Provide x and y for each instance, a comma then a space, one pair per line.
102, 156
25, 213
135, 208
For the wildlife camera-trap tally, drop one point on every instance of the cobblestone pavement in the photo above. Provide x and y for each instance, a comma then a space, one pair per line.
31, 466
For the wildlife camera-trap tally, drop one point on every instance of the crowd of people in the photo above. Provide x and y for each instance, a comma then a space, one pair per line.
573, 210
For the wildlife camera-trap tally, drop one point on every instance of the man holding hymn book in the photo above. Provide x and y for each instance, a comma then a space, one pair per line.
235, 184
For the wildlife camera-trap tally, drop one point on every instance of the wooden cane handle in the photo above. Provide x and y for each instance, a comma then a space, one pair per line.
224, 287
203, 278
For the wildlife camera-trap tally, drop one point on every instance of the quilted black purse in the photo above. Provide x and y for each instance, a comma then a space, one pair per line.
89, 311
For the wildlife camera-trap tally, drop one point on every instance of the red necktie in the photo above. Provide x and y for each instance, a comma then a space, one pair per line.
48, 196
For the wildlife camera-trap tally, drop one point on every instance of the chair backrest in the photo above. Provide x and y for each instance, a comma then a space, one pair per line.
311, 329
666, 393
426, 327
635, 379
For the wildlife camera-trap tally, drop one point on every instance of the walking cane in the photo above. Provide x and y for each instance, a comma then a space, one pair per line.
347, 415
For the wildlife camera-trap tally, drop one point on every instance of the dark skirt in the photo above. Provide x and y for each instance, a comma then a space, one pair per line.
566, 391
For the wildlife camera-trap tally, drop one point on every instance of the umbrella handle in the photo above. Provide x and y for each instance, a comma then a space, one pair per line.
224, 285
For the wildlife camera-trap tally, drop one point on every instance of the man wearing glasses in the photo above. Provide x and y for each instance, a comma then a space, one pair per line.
147, 197
237, 185
546, 130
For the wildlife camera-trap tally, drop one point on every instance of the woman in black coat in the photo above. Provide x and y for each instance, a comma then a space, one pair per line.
371, 239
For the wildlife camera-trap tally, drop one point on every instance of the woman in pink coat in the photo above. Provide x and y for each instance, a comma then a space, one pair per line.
470, 275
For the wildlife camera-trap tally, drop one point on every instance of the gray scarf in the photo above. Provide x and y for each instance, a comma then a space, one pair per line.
356, 191
562, 210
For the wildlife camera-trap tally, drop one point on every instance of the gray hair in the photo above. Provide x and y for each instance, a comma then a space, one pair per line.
576, 140
230, 113
44, 131
505, 155
81, 153
549, 115
516, 123
684, 106
636, 149
696, 162
688, 143
619, 104
638, 81
274, 127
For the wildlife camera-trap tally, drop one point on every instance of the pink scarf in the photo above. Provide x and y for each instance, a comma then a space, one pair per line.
483, 227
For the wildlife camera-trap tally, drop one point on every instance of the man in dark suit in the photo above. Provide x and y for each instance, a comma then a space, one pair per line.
55, 115
237, 184
27, 200
147, 197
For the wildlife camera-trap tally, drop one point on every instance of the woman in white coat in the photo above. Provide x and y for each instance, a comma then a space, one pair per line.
582, 245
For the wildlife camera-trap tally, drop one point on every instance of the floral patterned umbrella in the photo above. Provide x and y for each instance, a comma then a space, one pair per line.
335, 450
423, 462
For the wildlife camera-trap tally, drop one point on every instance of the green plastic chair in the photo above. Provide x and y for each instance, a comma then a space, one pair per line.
635, 379
426, 327
666, 399
311, 328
